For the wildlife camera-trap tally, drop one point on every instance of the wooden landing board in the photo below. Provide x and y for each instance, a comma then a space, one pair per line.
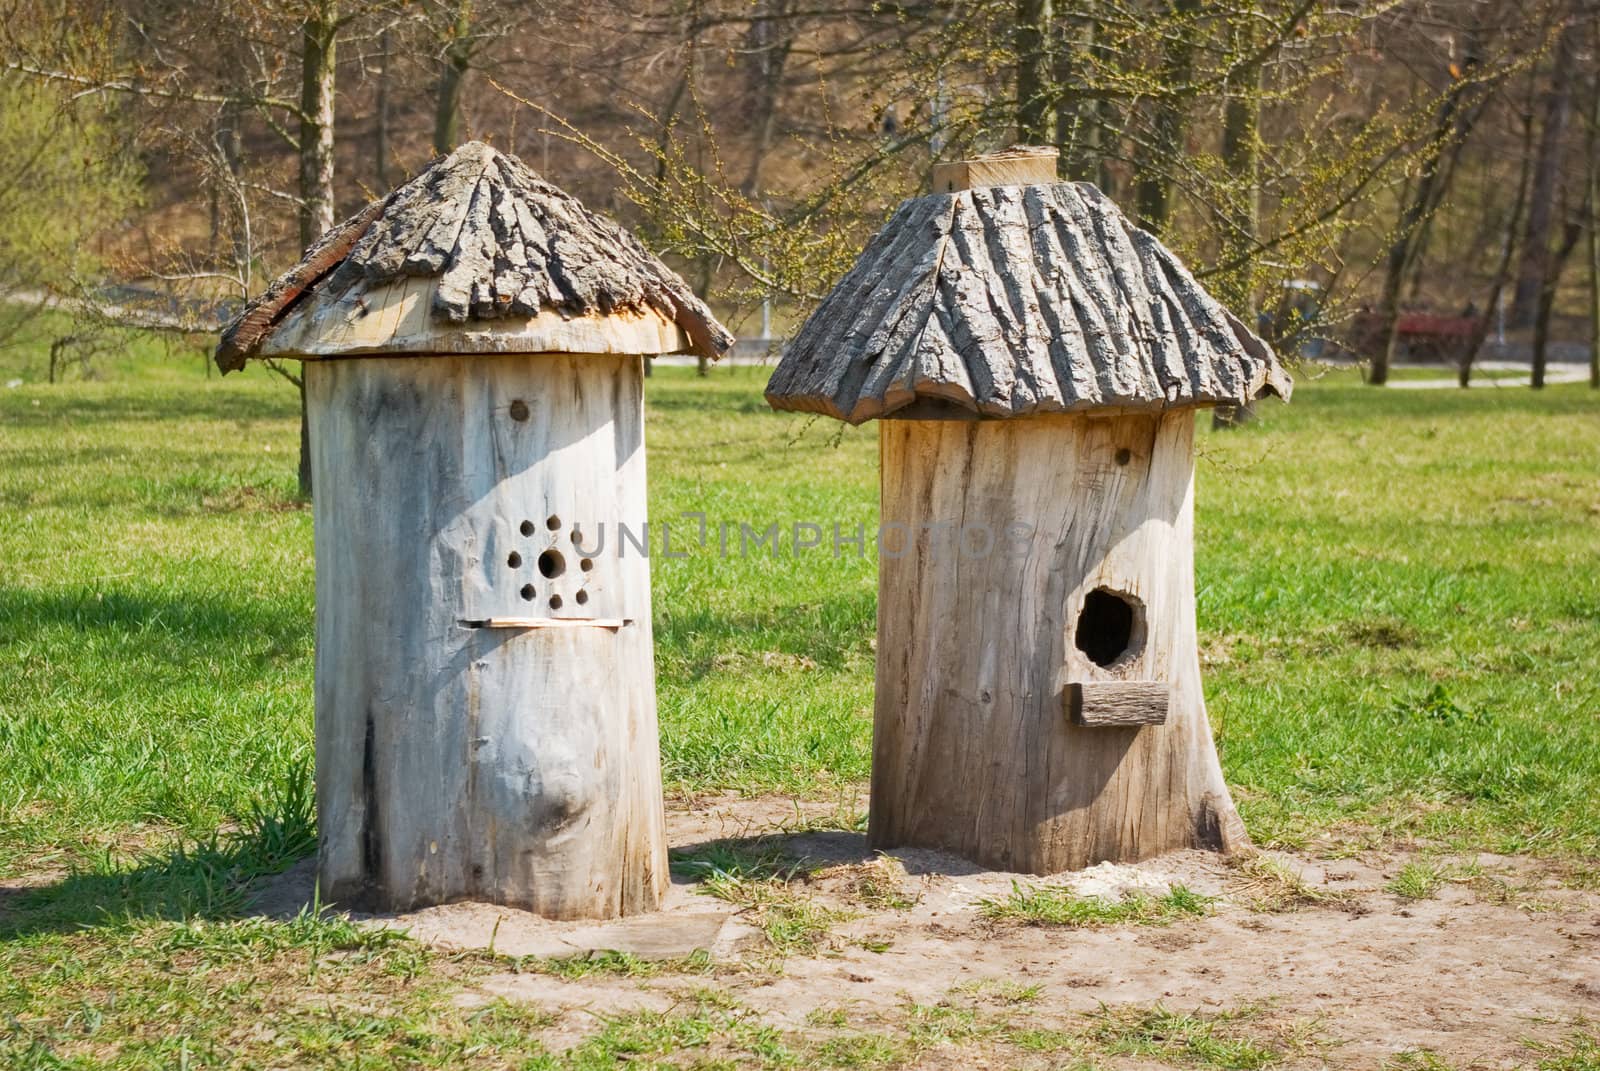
612, 623
1118, 703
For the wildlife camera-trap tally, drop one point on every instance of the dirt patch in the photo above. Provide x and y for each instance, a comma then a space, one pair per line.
1500, 953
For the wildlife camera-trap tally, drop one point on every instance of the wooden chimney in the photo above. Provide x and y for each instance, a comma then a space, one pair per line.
1035, 361
473, 349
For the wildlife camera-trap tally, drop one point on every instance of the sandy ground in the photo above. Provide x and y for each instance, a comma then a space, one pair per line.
1468, 974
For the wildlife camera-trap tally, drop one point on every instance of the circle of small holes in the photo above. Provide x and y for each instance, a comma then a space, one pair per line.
550, 563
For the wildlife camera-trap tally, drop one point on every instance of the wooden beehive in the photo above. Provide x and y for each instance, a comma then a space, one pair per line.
1035, 361
473, 349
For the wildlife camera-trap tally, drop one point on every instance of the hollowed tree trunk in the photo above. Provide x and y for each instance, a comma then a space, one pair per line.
486, 720
989, 664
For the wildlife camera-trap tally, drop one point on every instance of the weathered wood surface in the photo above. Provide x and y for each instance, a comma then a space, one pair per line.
396, 319
972, 751
1020, 165
1017, 300
1118, 703
549, 622
498, 242
514, 765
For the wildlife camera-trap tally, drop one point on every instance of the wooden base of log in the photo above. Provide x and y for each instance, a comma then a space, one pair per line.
1086, 577
464, 749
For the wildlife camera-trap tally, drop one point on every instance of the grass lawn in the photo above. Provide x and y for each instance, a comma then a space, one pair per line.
1399, 604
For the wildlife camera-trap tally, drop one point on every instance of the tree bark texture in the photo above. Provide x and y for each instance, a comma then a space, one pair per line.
516, 765
769, 42
1241, 127
1012, 300
457, 61
380, 147
1035, 70
318, 37
1456, 117
1534, 266
1502, 270
975, 750
1159, 157
496, 243
1594, 253
1571, 231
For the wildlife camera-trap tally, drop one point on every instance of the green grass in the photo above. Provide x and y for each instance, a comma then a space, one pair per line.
1399, 612
1417, 881
1400, 623
1196, 1040
1052, 905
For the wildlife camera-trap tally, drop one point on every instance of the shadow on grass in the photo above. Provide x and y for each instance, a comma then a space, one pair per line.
829, 633
168, 626
209, 880
149, 404
794, 856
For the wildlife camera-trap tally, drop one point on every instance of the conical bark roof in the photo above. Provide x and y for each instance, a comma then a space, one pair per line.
1013, 300
477, 254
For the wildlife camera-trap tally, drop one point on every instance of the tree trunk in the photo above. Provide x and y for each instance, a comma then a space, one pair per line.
1594, 260
708, 272
1006, 673
1069, 98
318, 35
1502, 270
1159, 159
769, 41
317, 58
1241, 123
1097, 132
1454, 124
1535, 264
452, 79
380, 148
1593, 174
486, 719
1547, 298
1035, 70
303, 474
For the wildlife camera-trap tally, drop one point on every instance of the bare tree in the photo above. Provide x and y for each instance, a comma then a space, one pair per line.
1536, 254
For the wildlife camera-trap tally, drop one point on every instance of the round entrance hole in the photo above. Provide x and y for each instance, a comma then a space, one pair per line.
552, 564
1109, 626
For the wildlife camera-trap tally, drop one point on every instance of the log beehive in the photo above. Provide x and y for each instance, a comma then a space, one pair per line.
473, 349
1035, 361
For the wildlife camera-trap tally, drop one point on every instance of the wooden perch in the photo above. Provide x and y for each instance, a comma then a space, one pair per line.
612, 623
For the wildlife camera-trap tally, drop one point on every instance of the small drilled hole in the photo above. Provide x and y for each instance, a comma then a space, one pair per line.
526, 528
528, 592
552, 522
514, 560
1124, 456
583, 597
577, 535
586, 564
552, 564
555, 602
519, 410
